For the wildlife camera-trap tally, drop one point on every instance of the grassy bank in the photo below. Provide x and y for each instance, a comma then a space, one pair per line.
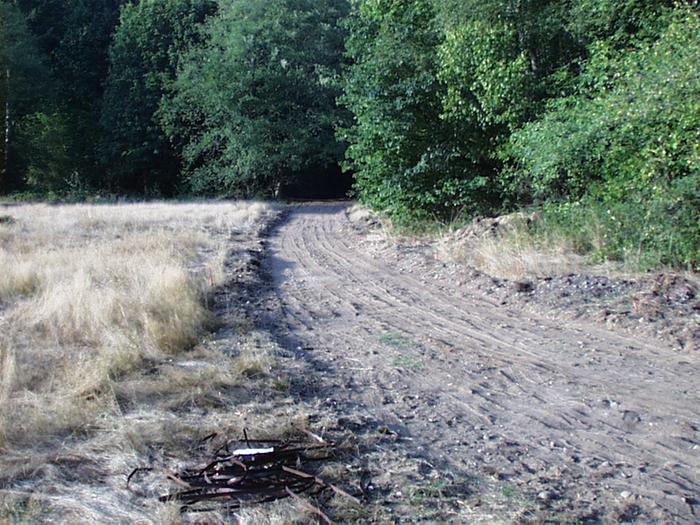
107, 357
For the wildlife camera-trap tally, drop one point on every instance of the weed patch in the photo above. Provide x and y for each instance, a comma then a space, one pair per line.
398, 341
409, 363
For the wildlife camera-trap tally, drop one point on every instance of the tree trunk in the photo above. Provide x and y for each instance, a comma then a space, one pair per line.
523, 36
6, 141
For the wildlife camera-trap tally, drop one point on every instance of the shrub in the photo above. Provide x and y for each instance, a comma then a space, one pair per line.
627, 147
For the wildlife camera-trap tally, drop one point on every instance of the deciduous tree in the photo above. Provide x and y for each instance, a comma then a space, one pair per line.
148, 43
24, 79
255, 104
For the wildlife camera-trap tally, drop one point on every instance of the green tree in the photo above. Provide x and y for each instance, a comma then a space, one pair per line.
80, 64
24, 80
623, 22
42, 136
45, 19
626, 145
397, 143
73, 37
255, 105
148, 42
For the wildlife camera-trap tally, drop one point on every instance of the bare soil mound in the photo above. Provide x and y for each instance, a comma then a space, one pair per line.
560, 283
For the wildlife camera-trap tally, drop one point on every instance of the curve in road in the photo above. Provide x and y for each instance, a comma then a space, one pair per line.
596, 420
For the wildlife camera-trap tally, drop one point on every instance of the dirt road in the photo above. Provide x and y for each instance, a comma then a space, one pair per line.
512, 416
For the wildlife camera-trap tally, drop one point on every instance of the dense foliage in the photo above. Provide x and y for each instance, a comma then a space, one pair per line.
148, 43
23, 71
628, 143
63, 52
399, 146
588, 108
255, 105
439, 108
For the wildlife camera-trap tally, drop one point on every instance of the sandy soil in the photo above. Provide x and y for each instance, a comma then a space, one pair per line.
469, 409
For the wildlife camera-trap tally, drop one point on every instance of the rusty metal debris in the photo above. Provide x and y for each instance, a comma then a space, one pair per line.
243, 472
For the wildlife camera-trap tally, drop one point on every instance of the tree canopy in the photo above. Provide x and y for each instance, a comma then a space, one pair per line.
24, 80
148, 43
254, 104
438, 108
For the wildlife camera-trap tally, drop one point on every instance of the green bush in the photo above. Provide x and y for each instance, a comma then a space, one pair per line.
43, 139
645, 231
409, 158
627, 147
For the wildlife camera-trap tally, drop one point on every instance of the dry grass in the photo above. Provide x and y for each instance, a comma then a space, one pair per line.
91, 292
501, 247
509, 251
104, 359
516, 258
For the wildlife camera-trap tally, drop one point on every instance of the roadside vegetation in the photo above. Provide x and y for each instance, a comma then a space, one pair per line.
109, 355
587, 111
91, 293
441, 110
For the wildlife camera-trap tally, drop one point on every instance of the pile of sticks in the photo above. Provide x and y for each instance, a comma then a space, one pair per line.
251, 472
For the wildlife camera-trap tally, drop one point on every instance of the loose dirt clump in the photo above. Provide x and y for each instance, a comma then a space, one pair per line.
497, 257
492, 227
662, 305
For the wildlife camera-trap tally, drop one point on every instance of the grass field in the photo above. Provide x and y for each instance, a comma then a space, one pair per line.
105, 361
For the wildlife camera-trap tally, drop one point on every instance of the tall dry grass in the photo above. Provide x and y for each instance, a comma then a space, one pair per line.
107, 360
508, 250
89, 293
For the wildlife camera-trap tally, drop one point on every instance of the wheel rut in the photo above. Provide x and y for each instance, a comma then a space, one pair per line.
606, 426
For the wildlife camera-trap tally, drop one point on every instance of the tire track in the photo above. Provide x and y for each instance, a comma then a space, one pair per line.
601, 410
